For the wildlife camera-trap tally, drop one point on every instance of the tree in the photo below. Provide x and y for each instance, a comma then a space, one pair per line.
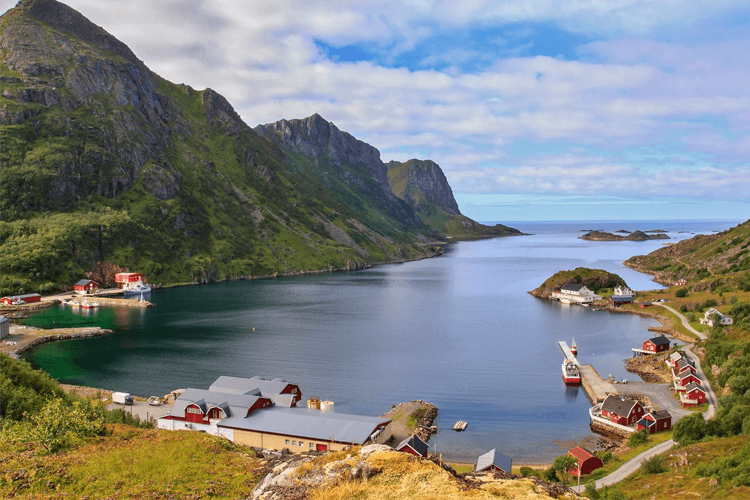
638, 438
690, 429
682, 292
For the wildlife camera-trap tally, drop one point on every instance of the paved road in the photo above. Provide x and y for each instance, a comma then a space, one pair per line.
630, 466
685, 321
660, 394
143, 410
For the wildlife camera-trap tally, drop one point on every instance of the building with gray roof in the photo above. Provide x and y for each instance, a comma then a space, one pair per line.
414, 445
4, 327
493, 460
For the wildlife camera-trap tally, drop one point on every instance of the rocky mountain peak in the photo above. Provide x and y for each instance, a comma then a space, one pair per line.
426, 177
61, 17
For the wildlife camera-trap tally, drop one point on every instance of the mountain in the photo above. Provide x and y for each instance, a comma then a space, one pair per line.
634, 236
422, 184
103, 160
715, 258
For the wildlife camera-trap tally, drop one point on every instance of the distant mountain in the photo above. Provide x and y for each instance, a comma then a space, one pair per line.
102, 159
422, 184
715, 259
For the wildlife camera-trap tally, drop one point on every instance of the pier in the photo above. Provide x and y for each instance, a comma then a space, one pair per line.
596, 388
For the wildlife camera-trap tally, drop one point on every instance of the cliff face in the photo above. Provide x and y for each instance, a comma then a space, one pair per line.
104, 160
422, 184
425, 177
340, 154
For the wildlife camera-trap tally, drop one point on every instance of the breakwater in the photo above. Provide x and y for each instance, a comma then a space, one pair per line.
31, 337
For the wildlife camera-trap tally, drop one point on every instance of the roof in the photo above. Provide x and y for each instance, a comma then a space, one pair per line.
692, 386
660, 340
618, 405
85, 282
237, 404
624, 298
494, 457
256, 385
645, 422
415, 443
24, 296
3, 319
661, 414
683, 362
675, 356
580, 453
687, 374
310, 424
572, 287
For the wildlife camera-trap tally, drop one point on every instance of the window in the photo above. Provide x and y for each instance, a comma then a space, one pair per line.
301, 443
294, 443
287, 442
312, 445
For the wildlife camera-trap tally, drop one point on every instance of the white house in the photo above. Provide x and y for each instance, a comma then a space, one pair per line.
575, 293
623, 290
708, 318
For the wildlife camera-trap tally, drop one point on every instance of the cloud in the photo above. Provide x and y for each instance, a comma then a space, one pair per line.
686, 103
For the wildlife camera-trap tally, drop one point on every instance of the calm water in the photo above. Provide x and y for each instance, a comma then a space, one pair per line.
459, 331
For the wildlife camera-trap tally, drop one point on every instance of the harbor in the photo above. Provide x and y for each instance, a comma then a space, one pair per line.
596, 388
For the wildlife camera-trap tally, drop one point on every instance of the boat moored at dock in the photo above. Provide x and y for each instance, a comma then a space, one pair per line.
571, 374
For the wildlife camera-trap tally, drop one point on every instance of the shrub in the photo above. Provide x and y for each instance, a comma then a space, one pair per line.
690, 429
682, 292
710, 303
638, 438
528, 471
606, 456
683, 308
733, 300
691, 317
653, 465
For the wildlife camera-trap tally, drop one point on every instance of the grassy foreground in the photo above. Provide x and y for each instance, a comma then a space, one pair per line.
133, 463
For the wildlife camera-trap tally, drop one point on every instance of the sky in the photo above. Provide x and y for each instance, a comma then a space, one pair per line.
535, 110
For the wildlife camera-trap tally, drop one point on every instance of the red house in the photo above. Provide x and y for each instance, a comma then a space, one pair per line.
621, 410
655, 422
656, 344
687, 378
199, 406
645, 305
673, 359
14, 300
684, 365
123, 279
695, 392
587, 463
414, 446
86, 287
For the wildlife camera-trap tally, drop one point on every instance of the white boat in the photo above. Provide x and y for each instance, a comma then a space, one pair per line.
89, 305
136, 288
570, 373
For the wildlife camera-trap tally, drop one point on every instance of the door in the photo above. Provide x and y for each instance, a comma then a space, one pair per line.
321, 447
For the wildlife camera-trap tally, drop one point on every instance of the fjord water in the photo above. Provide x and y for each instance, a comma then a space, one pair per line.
459, 331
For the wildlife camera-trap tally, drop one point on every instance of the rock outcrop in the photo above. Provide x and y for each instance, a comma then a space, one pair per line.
634, 236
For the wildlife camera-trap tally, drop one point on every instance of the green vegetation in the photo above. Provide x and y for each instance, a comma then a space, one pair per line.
160, 178
638, 438
596, 280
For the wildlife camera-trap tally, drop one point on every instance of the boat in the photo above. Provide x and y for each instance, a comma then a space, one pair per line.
570, 373
136, 288
74, 304
89, 305
574, 348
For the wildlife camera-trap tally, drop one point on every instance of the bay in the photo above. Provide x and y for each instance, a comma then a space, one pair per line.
459, 331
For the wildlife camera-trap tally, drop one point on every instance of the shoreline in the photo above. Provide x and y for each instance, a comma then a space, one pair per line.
25, 337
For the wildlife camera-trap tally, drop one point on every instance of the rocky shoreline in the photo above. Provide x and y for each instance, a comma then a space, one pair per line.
32, 337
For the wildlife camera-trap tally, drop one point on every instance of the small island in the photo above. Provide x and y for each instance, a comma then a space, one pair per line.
634, 236
593, 279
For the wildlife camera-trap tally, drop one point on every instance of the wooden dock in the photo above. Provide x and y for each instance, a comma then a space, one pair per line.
460, 425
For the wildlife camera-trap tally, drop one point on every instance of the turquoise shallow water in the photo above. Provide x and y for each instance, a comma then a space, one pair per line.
459, 331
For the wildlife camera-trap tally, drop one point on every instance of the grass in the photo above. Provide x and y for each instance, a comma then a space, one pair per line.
680, 481
134, 463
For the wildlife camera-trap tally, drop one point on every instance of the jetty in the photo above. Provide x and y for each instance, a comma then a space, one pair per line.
596, 388
460, 425
108, 301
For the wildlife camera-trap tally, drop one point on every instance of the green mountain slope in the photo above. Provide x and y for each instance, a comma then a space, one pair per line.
422, 184
100, 158
722, 256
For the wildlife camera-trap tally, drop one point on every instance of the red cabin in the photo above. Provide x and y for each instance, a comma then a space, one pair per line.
655, 422
123, 279
587, 463
695, 392
621, 410
86, 287
28, 298
656, 344
413, 445
687, 378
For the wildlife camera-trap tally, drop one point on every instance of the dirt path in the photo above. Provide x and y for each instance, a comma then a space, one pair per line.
402, 426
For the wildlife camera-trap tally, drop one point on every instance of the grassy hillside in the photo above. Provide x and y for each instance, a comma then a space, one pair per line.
712, 259
101, 159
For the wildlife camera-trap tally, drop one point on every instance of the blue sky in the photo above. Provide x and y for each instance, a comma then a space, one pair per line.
541, 110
